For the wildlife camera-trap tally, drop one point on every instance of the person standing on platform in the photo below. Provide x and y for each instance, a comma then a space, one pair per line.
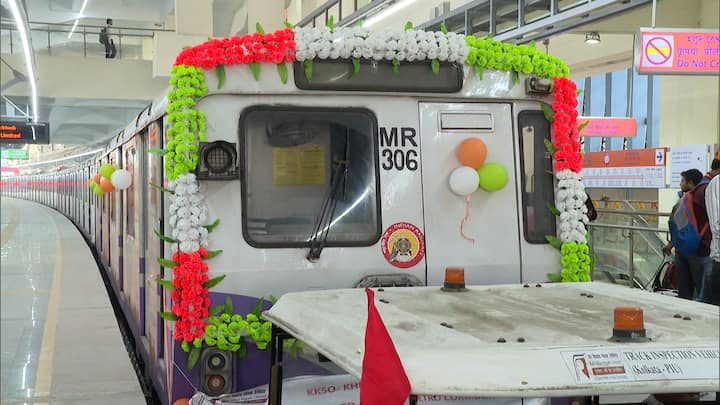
693, 269
712, 204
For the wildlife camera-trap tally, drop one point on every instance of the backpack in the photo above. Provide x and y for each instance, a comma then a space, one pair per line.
686, 236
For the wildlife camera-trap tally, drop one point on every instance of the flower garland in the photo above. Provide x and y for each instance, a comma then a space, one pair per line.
188, 213
570, 197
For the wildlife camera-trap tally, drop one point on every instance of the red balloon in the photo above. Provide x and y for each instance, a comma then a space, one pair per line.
106, 185
472, 152
97, 178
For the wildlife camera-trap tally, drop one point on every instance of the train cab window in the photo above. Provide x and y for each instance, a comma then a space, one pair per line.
537, 182
310, 177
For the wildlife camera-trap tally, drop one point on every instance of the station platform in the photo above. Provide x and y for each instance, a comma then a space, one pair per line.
61, 342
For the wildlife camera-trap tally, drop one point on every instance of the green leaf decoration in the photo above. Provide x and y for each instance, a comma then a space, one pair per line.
356, 66
161, 188
156, 151
583, 125
479, 72
408, 25
554, 241
168, 264
396, 66
213, 253
163, 237
435, 65
169, 316
255, 69
555, 278
515, 77
228, 306
552, 209
578, 92
549, 146
214, 281
308, 65
242, 351
331, 23
289, 25
273, 299
213, 225
220, 73
443, 28
257, 309
193, 357
166, 283
548, 112
259, 28
282, 72
216, 310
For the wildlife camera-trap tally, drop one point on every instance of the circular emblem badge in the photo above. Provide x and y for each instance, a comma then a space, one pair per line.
403, 245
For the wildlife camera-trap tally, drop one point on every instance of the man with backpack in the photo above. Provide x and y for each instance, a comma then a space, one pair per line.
712, 204
690, 236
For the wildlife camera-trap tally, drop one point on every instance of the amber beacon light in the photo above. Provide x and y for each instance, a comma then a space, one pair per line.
629, 325
454, 279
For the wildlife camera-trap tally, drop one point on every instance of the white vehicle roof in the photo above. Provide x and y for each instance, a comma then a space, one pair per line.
559, 323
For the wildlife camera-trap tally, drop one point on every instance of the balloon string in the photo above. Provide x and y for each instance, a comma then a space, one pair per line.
465, 219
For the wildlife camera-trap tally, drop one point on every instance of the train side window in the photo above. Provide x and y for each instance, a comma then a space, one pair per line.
537, 182
310, 177
130, 192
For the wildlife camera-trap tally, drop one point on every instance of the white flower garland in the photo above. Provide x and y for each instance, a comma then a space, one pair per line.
188, 214
409, 45
570, 201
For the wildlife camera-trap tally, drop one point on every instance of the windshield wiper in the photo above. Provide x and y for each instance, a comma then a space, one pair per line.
318, 239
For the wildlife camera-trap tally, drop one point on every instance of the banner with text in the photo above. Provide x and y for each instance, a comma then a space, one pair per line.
608, 127
633, 168
603, 366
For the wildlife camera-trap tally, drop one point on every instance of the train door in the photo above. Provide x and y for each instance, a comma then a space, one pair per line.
92, 208
492, 218
114, 243
153, 202
100, 217
133, 228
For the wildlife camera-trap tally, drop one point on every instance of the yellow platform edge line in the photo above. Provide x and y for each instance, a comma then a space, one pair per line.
43, 378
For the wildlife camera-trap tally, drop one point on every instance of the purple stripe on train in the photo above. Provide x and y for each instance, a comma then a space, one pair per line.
251, 371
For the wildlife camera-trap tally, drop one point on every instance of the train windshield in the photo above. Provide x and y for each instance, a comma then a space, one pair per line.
314, 177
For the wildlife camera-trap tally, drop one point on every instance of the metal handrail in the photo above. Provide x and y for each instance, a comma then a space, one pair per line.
628, 227
81, 30
623, 212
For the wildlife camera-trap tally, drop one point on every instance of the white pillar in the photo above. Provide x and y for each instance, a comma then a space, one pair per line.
194, 17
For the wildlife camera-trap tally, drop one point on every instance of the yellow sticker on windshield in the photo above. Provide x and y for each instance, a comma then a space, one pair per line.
299, 165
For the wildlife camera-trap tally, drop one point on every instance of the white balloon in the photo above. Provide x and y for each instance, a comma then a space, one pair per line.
464, 181
121, 179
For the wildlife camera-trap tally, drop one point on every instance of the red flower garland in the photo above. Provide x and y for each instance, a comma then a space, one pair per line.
191, 302
275, 47
565, 135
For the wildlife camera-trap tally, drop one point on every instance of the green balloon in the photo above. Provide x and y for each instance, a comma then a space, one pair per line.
106, 170
98, 191
493, 177
92, 184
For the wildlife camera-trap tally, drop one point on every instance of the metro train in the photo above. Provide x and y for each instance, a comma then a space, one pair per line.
294, 217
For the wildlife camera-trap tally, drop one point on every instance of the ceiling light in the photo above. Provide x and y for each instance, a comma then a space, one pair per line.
29, 59
386, 12
592, 37
80, 14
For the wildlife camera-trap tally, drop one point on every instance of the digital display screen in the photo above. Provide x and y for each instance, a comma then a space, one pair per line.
24, 132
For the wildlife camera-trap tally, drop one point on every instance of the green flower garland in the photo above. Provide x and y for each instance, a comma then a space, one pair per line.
188, 124
525, 59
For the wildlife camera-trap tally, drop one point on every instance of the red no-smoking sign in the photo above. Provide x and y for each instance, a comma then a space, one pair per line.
657, 50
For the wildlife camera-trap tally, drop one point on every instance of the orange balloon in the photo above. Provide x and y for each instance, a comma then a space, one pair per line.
97, 178
106, 185
472, 152
182, 401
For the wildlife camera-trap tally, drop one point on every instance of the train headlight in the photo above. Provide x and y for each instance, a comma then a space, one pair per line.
216, 371
218, 161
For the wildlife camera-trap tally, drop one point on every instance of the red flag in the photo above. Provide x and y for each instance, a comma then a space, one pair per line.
383, 380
